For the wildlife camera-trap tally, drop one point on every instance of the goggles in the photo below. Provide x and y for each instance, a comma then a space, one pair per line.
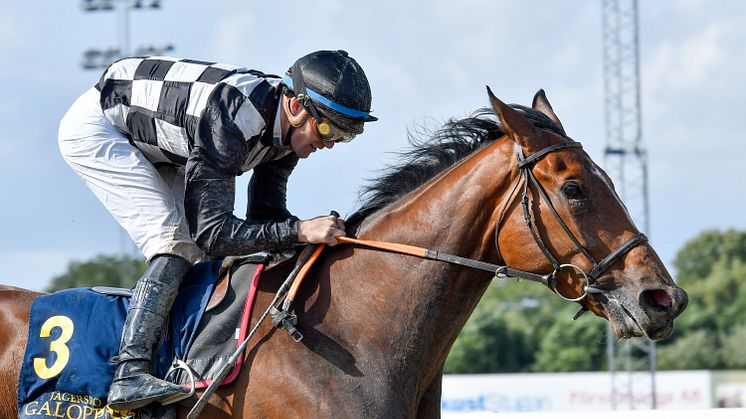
330, 132
326, 130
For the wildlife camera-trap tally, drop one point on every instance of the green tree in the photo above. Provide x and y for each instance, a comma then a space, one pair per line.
699, 256
733, 355
113, 271
711, 268
694, 350
488, 344
572, 345
506, 329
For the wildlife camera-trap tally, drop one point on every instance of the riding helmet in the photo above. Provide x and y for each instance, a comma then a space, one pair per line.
336, 85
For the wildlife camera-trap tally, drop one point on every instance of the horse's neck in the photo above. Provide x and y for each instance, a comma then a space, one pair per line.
454, 213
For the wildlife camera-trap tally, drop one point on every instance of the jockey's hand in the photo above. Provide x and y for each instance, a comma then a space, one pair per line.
324, 229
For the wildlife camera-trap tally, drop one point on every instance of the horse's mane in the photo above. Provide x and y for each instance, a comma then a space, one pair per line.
427, 157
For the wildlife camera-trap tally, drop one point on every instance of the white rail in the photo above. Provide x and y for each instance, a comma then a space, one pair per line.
731, 413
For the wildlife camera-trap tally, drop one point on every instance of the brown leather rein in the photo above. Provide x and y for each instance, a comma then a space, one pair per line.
431, 254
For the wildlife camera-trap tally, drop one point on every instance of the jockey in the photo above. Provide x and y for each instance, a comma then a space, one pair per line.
160, 141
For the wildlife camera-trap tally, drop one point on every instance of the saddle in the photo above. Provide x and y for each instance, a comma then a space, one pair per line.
74, 338
223, 325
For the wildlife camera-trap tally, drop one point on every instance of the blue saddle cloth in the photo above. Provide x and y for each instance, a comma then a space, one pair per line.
74, 334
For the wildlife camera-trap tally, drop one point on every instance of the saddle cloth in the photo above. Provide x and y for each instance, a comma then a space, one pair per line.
74, 335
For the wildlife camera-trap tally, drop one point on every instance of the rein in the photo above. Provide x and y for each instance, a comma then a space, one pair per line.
421, 252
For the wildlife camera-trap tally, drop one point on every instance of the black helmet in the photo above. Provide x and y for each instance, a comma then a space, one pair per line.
334, 84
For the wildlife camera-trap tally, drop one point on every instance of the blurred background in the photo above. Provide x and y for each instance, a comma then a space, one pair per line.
427, 62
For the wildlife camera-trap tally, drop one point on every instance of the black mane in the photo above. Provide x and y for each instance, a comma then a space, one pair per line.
427, 157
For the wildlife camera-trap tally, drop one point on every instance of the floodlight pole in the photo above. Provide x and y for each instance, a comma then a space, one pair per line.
101, 58
97, 59
626, 162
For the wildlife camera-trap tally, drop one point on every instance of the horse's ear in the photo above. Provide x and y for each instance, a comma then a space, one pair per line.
512, 122
541, 103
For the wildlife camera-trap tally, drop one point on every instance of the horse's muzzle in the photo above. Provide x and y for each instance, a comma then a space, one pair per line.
662, 306
650, 314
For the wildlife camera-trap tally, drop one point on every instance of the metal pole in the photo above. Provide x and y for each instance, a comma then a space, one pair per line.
611, 356
101, 58
625, 161
126, 30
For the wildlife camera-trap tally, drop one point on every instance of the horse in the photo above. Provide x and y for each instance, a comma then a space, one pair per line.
505, 185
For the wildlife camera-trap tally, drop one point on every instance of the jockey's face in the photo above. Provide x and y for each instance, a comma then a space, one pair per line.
304, 139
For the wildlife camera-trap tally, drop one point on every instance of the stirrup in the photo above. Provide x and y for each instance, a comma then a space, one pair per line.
180, 365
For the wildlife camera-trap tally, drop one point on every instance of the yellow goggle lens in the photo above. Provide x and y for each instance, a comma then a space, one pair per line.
329, 132
324, 128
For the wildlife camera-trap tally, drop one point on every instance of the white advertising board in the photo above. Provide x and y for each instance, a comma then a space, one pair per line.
573, 392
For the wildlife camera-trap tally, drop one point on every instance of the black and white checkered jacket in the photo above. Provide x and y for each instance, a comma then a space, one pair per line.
218, 121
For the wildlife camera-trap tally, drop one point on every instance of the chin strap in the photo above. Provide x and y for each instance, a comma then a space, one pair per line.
288, 136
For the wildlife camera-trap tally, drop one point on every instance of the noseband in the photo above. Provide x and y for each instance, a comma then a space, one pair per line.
525, 164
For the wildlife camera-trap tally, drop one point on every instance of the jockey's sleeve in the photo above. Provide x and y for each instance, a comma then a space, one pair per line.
267, 190
208, 204
213, 164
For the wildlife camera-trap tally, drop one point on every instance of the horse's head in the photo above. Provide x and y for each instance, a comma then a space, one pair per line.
565, 217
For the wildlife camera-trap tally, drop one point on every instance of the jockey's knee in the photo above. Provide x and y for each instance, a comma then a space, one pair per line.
186, 249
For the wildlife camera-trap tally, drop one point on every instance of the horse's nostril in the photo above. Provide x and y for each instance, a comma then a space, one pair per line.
658, 299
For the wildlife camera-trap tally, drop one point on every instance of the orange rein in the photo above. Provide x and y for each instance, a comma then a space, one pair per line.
393, 247
301, 274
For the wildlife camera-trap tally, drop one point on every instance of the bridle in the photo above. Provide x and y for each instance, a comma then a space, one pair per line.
525, 165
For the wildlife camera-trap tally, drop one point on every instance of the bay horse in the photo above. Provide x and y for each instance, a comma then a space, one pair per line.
505, 186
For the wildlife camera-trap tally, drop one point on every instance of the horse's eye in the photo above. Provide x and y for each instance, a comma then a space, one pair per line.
572, 190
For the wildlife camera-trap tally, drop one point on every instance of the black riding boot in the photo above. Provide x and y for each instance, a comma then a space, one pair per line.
133, 386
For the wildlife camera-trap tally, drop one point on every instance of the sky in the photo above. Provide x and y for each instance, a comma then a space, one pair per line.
427, 62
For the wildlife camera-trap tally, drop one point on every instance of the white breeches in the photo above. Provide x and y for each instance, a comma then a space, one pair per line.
147, 202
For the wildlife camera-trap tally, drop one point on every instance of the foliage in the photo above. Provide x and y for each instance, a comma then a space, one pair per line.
695, 350
733, 355
532, 330
483, 347
572, 345
521, 326
711, 332
112, 271
699, 256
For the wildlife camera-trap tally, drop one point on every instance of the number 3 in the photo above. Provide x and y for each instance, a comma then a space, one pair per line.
57, 346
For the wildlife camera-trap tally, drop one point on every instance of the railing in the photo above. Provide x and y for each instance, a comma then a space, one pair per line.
726, 413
